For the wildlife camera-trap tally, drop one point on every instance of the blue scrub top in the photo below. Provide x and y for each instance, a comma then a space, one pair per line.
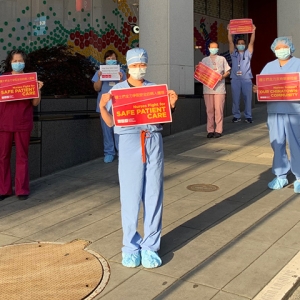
243, 59
106, 86
139, 128
273, 67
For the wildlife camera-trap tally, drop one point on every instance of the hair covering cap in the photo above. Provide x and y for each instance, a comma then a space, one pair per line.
136, 55
283, 40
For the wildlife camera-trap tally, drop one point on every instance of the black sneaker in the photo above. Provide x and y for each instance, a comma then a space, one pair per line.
210, 135
248, 120
235, 120
23, 197
2, 197
217, 135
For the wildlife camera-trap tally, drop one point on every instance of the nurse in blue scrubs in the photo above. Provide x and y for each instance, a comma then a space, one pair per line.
241, 76
141, 164
110, 140
284, 119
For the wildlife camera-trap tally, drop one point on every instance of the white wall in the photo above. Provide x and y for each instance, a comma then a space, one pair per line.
288, 21
166, 32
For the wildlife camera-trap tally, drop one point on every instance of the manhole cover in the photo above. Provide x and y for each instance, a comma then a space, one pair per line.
202, 187
51, 271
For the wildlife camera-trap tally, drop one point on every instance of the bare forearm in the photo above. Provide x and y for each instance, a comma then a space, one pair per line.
36, 101
106, 116
98, 86
225, 74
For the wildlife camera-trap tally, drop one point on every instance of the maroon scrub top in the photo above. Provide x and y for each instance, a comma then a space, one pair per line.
16, 115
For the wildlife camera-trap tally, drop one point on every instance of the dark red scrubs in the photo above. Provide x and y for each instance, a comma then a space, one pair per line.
16, 123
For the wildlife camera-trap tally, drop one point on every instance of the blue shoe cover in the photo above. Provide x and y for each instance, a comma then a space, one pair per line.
297, 186
131, 260
277, 183
108, 158
150, 259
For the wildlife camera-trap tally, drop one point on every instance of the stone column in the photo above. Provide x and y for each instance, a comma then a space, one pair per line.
288, 21
166, 32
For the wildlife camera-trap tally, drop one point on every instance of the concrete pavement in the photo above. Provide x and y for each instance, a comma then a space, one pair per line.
226, 244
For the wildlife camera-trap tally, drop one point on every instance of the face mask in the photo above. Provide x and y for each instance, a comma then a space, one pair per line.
283, 53
213, 51
18, 66
137, 73
241, 47
111, 62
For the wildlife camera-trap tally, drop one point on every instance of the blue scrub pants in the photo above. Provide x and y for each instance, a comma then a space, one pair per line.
282, 128
243, 86
141, 182
110, 140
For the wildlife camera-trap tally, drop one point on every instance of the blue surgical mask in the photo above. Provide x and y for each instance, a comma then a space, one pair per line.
111, 62
18, 66
241, 47
283, 53
213, 51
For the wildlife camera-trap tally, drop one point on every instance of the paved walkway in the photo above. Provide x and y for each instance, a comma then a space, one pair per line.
221, 245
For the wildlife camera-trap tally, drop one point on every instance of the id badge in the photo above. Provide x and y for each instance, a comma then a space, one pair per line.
111, 83
239, 73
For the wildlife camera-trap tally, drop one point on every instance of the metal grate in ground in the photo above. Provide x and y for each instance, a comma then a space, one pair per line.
51, 271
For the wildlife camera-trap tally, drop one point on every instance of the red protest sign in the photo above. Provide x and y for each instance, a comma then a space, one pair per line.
141, 105
206, 75
18, 87
278, 87
240, 26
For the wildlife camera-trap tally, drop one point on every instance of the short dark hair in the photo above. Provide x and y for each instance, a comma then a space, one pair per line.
240, 39
109, 53
213, 42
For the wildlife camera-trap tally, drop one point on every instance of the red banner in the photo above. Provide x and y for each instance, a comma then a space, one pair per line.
141, 105
278, 87
240, 26
18, 87
206, 75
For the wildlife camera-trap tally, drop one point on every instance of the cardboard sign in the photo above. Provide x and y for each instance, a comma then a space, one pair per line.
278, 87
110, 72
18, 87
207, 76
240, 26
141, 105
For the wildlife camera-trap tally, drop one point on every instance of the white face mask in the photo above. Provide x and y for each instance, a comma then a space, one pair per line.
137, 73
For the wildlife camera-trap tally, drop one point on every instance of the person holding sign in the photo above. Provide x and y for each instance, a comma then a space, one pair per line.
16, 124
241, 76
284, 118
141, 164
109, 139
215, 98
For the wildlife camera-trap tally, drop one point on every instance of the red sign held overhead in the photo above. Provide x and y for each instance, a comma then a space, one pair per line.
83, 4
241, 26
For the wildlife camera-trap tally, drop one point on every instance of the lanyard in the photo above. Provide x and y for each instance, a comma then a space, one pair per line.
239, 59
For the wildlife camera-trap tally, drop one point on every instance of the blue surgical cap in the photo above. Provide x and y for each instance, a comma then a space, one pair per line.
283, 40
136, 55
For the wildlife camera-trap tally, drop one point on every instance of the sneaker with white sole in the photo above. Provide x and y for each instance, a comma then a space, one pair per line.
235, 120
